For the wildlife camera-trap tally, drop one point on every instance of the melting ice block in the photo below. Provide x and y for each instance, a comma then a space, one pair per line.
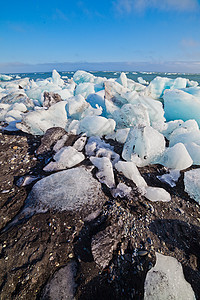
82, 76
5, 77
166, 281
105, 174
157, 194
96, 125
75, 106
122, 79
192, 184
66, 190
94, 144
159, 84
143, 145
181, 105
66, 157
176, 157
37, 122
170, 178
56, 78
130, 171
85, 89
194, 151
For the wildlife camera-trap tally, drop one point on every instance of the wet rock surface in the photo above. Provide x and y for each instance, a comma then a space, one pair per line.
113, 245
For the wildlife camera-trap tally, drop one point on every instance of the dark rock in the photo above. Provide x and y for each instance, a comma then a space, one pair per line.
50, 99
49, 139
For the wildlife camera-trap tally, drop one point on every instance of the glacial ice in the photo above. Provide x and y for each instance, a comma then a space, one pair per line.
123, 80
75, 106
94, 144
65, 158
181, 105
192, 184
176, 157
142, 81
143, 145
105, 174
166, 281
194, 152
37, 122
130, 171
157, 194
56, 78
85, 89
122, 190
170, 178
5, 77
82, 76
96, 125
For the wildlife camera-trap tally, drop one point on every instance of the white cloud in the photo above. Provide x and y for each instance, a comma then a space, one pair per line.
127, 6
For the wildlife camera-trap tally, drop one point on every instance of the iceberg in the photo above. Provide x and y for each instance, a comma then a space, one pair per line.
85, 89
166, 281
5, 77
192, 184
56, 78
75, 106
82, 76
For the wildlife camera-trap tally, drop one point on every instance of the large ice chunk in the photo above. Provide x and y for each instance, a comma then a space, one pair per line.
85, 89
194, 151
56, 78
192, 184
65, 158
105, 174
5, 77
181, 105
166, 281
170, 178
82, 76
37, 122
75, 106
94, 144
176, 157
159, 84
130, 171
143, 145
122, 79
96, 125
157, 194
66, 190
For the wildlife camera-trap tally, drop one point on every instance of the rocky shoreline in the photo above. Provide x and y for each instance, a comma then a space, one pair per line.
102, 252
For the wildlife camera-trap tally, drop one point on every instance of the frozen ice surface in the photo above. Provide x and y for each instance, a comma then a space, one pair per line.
192, 184
157, 194
170, 178
176, 157
82, 76
105, 174
146, 143
122, 190
166, 281
66, 157
75, 106
96, 126
181, 105
37, 122
65, 190
85, 89
130, 171
62, 285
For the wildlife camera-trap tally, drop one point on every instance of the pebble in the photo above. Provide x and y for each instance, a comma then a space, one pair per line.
15, 147
142, 252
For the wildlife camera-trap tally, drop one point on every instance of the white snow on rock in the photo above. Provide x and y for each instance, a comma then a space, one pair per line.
192, 184
166, 281
66, 190
65, 158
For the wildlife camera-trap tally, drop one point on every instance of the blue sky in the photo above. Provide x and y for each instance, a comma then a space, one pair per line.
35, 35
